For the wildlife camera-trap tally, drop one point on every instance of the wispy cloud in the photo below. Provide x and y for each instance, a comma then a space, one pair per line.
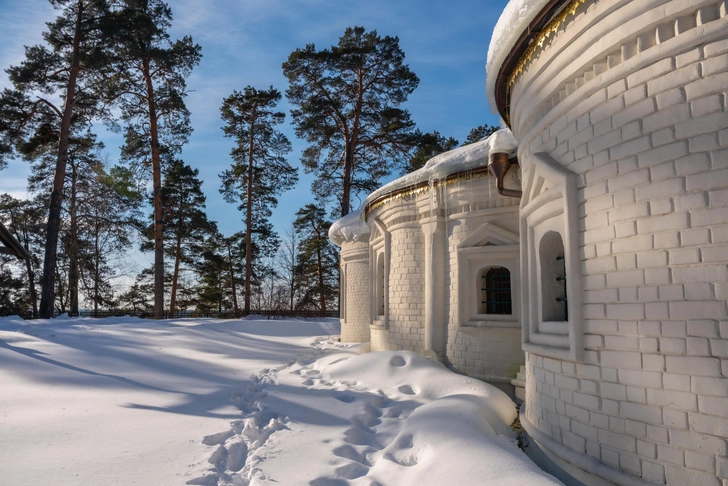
244, 42
21, 24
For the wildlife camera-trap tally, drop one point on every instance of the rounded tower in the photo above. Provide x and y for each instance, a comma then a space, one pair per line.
619, 108
352, 235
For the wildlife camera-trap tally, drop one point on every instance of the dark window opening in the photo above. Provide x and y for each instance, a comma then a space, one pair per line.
380, 285
496, 291
554, 301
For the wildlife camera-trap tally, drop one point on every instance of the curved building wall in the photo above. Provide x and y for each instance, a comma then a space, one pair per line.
433, 275
355, 314
623, 131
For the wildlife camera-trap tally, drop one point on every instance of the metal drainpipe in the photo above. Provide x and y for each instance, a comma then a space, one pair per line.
499, 166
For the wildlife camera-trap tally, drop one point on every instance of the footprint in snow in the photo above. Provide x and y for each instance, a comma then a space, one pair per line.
352, 470
361, 437
404, 454
328, 482
344, 397
406, 389
217, 439
349, 452
393, 412
365, 421
397, 361
370, 409
402, 458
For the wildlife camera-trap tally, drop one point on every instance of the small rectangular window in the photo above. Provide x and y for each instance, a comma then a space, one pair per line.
496, 291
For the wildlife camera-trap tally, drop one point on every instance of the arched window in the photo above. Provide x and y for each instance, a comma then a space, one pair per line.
380, 285
553, 278
495, 291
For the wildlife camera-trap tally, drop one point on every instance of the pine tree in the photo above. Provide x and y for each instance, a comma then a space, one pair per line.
347, 107
318, 258
136, 299
211, 270
234, 250
428, 145
150, 86
25, 219
260, 171
479, 133
100, 209
186, 224
289, 269
109, 216
13, 300
67, 68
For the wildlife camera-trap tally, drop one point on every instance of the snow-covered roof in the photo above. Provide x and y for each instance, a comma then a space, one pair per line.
514, 20
470, 156
351, 227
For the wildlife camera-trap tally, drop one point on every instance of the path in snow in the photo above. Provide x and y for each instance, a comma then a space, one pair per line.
123, 401
334, 418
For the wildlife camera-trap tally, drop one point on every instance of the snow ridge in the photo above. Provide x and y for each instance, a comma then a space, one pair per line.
374, 419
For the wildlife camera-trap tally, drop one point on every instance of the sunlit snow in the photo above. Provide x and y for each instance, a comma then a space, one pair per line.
241, 402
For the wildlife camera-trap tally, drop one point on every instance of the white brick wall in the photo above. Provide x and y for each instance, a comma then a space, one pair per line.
486, 352
651, 397
407, 288
357, 306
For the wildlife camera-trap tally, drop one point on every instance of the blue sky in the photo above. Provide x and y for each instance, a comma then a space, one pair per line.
244, 43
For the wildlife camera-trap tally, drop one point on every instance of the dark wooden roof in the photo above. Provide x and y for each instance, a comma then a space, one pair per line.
10, 246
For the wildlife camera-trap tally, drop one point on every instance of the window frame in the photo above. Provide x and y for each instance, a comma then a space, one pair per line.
550, 203
490, 246
379, 244
488, 278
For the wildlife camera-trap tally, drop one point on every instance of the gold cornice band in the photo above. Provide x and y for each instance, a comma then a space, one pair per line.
567, 13
421, 187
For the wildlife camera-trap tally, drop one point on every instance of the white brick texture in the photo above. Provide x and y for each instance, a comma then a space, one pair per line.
651, 396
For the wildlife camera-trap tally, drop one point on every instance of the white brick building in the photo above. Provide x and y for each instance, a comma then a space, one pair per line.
620, 283
443, 265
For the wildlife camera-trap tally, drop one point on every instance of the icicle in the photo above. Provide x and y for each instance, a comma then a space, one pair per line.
443, 195
490, 189
431, 183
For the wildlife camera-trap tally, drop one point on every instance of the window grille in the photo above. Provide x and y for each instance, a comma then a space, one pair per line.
496, 291
562, 279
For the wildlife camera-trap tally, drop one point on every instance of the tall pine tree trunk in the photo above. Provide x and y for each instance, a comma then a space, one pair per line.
61, 293
47, 298
175, 276
320, 269
31, 286
249, 218
97, 257
32, 293
232, 281
157, 194
73, 248
346, 179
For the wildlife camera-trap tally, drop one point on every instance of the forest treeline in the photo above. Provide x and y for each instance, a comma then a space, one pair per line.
114, 62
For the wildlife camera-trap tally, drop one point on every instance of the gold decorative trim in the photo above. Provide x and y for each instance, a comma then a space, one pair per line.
422, 187
639, 42
566, 14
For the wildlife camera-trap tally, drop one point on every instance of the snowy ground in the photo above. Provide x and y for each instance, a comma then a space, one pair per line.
127, 401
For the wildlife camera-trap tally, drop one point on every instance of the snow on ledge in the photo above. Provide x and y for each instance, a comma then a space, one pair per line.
470, 156
515, 18
351, 227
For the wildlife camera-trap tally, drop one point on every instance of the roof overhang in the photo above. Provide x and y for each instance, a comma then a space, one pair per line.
531, 36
